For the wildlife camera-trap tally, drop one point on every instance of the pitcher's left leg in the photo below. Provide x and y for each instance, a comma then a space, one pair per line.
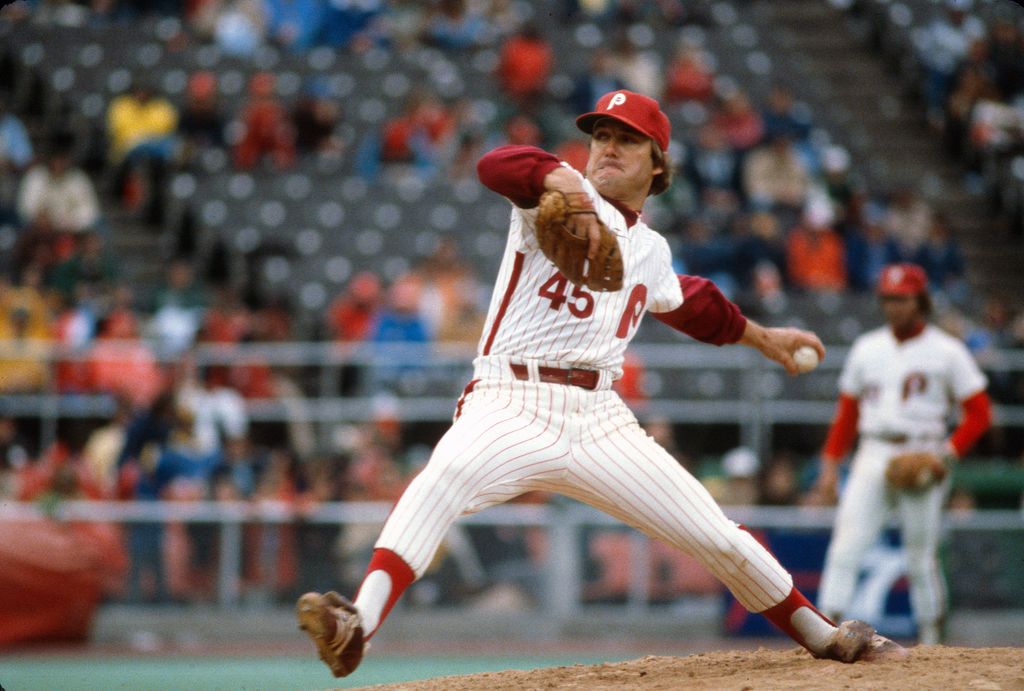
628, 475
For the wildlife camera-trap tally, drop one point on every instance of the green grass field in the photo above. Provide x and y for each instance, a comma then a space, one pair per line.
96, 673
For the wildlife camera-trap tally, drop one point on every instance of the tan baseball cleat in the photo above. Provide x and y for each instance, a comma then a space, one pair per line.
856, 641
335, 627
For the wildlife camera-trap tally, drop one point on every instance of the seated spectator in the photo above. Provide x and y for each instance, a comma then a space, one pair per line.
140, 129
40, 247
227, 320
689, 77
782, 117
815, 254
358, 25
1006, 56
91, 266
177, 309
15, 455
762, 244
266, 128
399, 338
463, 323
15, 157
419, 136
908, 220
238, 27
59, 192
713, 168
444, 283
218, 410
972, 84
868, 250
121, 364
736, 117
74, 329
942, 260
774, 177
316, 118
598, 79
202, 124
835, 172
352, 315
294, 24
524, 65
103, 447
709, 255
453, 25
640, 70
25, 340
941, 46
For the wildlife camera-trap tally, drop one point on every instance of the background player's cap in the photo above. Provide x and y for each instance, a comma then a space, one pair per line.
640, 112
902, 279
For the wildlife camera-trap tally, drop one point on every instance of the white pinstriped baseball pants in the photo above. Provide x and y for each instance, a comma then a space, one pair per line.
516, 436
864, 508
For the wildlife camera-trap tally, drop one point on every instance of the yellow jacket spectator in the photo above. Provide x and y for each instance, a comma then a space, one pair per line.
139, 117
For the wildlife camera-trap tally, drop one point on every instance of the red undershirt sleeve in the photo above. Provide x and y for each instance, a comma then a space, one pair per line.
977, 418
843, 430
705, 314
517, 172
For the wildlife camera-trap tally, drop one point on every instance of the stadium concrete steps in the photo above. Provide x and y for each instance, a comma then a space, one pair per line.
885, 131
138, 249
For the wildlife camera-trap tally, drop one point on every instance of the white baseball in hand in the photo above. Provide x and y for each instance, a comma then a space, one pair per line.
806, 358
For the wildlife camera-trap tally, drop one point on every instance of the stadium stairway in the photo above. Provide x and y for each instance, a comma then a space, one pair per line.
884, 127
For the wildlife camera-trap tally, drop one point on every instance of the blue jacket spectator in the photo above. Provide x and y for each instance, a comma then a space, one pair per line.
868, 249
294, 24
352, 22
942, 260
401, 326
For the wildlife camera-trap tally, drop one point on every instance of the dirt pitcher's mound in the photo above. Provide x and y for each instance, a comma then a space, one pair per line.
934, 667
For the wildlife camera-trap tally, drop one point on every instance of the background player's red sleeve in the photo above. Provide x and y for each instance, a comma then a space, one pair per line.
517, 172
705, 314
977, 418
843, 429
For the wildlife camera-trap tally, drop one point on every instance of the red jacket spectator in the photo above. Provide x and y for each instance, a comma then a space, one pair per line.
525, 64
689, 78
352, 313
268, 129
426, 116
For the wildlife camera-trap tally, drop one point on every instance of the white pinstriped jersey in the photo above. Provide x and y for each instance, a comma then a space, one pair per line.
909, 387
537, 314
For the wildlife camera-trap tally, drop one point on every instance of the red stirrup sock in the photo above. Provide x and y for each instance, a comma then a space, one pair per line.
386, 579
801, 621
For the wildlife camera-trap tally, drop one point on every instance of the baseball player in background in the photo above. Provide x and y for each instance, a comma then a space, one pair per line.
540, 413
897, 389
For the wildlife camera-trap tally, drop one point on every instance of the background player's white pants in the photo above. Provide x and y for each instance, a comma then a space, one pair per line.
864, 508
515, 436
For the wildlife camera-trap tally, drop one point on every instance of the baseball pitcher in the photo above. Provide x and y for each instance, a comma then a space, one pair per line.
579, 271
897, 388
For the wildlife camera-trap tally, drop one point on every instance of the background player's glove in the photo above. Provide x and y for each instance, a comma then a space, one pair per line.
915, 471
562, 241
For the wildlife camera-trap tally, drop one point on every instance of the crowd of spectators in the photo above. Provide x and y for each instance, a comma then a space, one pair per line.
970, 74
765, 205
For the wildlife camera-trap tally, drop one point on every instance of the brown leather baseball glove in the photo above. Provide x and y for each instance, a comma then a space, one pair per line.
567, 250
915, 470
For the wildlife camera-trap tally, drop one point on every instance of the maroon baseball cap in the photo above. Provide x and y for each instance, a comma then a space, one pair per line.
902, 279
640, 112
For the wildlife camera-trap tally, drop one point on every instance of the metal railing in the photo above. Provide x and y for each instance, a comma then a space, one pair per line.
564, 522
753, 407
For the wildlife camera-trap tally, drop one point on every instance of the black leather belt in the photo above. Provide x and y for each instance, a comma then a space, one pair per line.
570, 376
